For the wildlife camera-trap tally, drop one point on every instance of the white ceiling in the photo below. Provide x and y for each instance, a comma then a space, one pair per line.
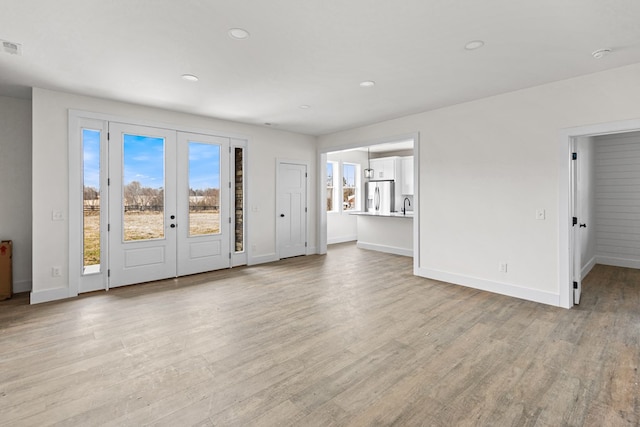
309, 52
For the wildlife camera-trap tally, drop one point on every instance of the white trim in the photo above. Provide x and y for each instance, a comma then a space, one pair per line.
588, 267
50, 295
262, 259
491, 286
22, 286
321, 228
342, 239
384, 248
565, 249
618, 262
312, 250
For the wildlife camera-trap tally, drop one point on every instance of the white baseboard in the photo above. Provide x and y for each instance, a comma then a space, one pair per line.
588, 267
312, 250
49, 295
342, 239
491, 286
262, 259
22, 286
384, 248
618, 262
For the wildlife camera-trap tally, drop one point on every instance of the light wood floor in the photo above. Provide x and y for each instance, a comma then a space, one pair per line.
351, 338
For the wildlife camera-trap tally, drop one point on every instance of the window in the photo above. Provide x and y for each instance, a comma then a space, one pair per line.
350, 184
331, 187
91, 200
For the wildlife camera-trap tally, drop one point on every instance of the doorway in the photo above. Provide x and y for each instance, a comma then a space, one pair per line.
155, 203
577, 211
167, 203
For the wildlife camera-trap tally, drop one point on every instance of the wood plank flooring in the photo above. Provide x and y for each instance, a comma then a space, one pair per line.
346, 339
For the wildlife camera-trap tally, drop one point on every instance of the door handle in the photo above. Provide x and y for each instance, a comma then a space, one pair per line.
281, 215
173, 226
583, 225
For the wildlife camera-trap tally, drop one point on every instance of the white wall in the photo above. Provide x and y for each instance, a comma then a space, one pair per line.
15, 186
50, 177
342, 227
487, 165
617, 199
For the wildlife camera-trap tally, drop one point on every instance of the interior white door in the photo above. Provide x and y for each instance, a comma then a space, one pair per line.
576, 230
291, 209
142, 204
203, 203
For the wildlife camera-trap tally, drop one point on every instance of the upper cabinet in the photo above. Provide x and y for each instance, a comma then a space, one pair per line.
406, 183
384, 168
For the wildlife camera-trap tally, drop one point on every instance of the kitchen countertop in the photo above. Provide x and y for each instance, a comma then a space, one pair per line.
384, 215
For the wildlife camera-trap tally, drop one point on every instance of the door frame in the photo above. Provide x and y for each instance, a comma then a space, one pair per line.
279, 162
322, 189
78, 281
566, 248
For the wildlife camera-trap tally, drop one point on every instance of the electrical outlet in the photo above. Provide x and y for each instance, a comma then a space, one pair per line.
540, 214
56, 272
502, 267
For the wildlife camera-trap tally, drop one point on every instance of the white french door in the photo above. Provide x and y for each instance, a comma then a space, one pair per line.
203, 208
168, 203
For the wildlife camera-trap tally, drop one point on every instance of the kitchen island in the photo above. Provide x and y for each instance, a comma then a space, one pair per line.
385, 232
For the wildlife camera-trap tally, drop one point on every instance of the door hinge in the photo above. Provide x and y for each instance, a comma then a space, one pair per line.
229, 184
574, 220
109, 273
108, 227
108, 136
306, 175
305, 210
575, 285
108, 181
229, 220
229, 255
305, 244
574, 156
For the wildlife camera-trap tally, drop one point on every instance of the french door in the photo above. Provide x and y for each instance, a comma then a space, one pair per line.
168, 203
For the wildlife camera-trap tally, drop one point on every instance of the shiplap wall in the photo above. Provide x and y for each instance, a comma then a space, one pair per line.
617, 199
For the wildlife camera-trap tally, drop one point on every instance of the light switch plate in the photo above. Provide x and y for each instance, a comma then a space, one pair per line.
540, 214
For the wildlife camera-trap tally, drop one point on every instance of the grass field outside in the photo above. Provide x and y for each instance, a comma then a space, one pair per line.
143, 226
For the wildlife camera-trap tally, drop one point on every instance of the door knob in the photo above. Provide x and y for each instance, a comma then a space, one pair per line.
583, 225
173, 226
173, 217
281, 215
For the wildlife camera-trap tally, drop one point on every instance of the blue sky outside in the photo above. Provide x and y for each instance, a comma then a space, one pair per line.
349, 174
204, 165
91, 157
144, 161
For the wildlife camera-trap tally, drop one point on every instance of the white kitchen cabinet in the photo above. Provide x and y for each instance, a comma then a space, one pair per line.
406, 183
384, 168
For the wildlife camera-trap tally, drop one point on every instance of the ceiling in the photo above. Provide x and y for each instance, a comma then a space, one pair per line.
310, 52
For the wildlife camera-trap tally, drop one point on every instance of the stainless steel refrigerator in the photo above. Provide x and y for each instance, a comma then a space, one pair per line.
380, 196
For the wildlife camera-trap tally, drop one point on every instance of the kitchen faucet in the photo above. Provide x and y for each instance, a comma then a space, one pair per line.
404, 205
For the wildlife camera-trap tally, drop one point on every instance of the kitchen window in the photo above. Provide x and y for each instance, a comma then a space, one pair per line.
350, 186
332, 206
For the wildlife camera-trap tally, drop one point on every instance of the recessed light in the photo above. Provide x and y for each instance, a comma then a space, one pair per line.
367, 83
238, 34
305, 107
474, 44
601, 53
190, 77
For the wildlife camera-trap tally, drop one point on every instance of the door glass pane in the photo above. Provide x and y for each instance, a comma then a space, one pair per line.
204, 189
239, 199
91, 199
143, 192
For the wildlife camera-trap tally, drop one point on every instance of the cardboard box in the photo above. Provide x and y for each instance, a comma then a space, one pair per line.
6, 271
